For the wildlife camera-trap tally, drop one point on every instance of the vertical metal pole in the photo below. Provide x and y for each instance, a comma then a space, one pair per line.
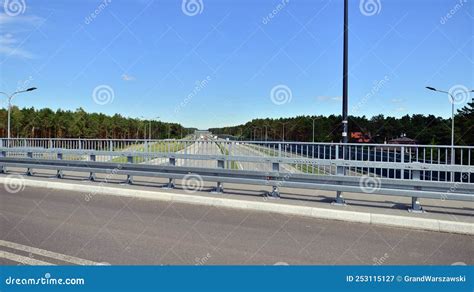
415, 203
342, 170
59, 173
129, 176
219, 188
91, 174
283, 138
170, 184
345, 74
452, 136
3, 168
9, 114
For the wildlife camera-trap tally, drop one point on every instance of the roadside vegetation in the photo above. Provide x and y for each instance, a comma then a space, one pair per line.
46, 123
233, 164
155, 147
428, 130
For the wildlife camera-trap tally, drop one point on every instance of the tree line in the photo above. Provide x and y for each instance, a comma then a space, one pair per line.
46, 123
425, 129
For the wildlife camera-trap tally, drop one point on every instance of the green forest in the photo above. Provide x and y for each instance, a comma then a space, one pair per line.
46, 123
424, 129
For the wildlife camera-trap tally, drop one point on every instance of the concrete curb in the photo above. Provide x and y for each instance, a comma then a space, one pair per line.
264, 206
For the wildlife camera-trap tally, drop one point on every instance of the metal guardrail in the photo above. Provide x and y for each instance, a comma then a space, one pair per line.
417, 171
379, 160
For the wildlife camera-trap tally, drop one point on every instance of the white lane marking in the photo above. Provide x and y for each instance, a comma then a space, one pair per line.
22, 259
49, 254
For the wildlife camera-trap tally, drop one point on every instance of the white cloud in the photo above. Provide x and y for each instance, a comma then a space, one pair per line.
127, 77
9, 47
330, 98
13, 28
400, 109
31, 20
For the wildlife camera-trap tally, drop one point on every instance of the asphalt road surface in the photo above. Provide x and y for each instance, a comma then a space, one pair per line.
40, 226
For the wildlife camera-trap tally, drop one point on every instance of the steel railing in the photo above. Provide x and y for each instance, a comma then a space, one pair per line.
378, 160
416, 171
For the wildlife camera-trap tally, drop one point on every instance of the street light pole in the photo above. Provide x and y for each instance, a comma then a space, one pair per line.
345, 74
149, 129
283, 137
158, 118
149, 134
10, 97
345, 127
313, 119
452, 117
144, 127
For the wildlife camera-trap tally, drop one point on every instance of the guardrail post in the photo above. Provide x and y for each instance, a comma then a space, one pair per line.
3, 168
219, 189
59, 173
341, 171
415, 203
275, 193
276, 166
92, 174
129, 176
29, 170
170, 184
111, 148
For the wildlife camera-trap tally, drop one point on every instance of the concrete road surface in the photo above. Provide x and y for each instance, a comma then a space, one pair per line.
40, 226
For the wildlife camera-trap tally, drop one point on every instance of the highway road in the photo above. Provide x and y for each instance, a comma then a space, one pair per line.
199, 148
251, 150
40, 226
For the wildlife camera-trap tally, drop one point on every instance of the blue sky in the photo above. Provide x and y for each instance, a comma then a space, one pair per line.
219, 66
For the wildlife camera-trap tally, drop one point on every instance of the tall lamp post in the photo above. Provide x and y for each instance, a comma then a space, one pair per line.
345, 74
313, 119
452, 117
266, 132
345, 127
157, 118
144, 127
10, 97
283, 136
